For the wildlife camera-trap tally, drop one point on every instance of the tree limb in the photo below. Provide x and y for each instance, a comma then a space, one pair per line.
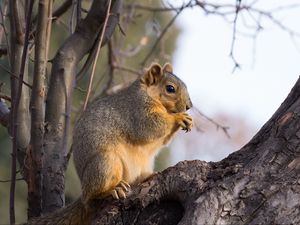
37, 108
98, 47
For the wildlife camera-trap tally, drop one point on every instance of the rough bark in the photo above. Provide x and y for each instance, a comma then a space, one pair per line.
22, 121
61, 87
19, 116
37, 108
259, 184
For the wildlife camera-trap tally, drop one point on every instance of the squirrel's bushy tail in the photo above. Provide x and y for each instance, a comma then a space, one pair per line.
73, 214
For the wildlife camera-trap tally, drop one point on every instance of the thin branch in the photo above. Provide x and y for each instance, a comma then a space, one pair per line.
14, 76
160, 9
6, 181
236, 64
218, 125
126, 69
72, 22
226, 10
55, 16
5, 97
61, 10
64, 7
87, 63
111, 62
160, 37
97, 54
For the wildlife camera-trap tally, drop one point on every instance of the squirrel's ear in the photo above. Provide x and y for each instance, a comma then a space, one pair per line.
168, 68
153, 74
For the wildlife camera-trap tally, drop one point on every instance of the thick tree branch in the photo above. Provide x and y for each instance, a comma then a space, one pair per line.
61, 87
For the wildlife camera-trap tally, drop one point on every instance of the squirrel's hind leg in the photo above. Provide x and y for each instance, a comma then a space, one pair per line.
103, 176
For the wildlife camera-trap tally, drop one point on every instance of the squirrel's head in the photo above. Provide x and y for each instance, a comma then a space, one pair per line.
162, 85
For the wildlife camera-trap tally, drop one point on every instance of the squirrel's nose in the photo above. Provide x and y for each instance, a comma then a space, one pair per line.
189, 105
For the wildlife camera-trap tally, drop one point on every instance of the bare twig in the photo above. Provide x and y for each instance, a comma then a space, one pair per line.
97, 54
14, 75
5, 97
61, 10
6, 181
57, 13
160, 38
111, 62
218, 126
161, 9
226, 10
126, 69
72, 17
87, 63
236, 64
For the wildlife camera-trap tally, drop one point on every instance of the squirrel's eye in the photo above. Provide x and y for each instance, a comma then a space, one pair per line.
170, 89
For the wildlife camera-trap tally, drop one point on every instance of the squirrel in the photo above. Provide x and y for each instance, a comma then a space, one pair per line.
117, 137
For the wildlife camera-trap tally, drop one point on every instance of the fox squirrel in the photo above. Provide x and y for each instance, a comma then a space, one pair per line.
117, 138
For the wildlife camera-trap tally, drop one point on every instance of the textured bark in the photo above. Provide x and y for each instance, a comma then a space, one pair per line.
22, 122
259, 184
61, 87
37, 108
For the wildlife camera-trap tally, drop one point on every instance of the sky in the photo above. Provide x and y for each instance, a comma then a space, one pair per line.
269, 66
266, 75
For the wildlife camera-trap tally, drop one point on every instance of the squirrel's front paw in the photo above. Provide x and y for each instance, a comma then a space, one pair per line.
121, 190
185, 121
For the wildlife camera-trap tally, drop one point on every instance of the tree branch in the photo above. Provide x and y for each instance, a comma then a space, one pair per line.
97, 54
37, 108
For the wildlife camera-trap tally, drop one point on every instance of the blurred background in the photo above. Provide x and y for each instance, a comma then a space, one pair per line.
238, 70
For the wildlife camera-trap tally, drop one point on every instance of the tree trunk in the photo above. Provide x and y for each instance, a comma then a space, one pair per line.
259, 184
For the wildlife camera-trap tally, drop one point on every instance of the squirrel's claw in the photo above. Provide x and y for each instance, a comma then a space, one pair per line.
124, 185
114, 194
185, 121
121, 190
